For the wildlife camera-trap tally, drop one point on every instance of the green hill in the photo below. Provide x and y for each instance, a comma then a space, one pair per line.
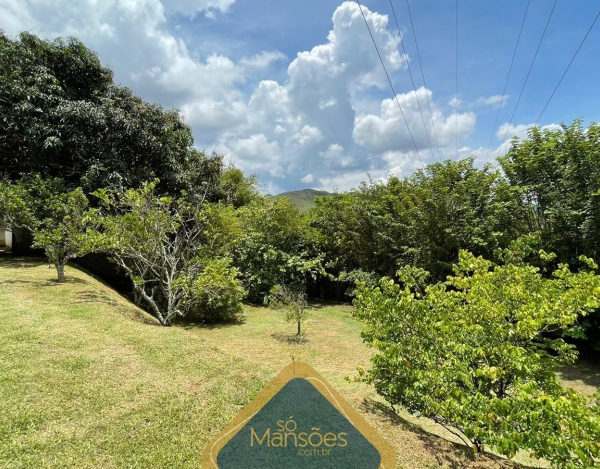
303, 199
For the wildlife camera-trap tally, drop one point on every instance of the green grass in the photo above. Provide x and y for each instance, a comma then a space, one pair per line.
89, 380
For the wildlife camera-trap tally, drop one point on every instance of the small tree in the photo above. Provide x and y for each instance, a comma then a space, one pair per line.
61, 222
69, 232
291, 299
475, 355
167, 247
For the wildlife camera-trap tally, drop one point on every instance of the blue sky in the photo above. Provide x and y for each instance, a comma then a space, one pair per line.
294, 91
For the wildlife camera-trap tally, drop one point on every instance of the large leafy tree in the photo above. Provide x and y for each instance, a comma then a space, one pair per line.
473, 353
423, 220
61, 115
275, 247
557, 173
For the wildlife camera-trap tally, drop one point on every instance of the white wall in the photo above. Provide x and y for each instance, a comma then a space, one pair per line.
6, 238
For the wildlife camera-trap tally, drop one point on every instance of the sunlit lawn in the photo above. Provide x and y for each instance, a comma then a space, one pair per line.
89, 380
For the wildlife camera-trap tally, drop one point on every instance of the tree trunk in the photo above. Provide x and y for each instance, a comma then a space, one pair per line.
299, 328
60, 270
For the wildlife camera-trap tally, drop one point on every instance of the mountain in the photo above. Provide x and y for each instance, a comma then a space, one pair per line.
303, 199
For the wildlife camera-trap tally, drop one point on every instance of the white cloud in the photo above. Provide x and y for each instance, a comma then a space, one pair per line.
192, 7
322, 121
389, 132
455, 103
263, 59
308, 135
336, 157
493, 100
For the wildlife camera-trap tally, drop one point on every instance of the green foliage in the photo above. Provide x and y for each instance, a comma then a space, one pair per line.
61, 115
475, 354
166, 246
291, 299
70, 231
423, 220
557, 173
275, 247
61, 222
217, 293
235, 188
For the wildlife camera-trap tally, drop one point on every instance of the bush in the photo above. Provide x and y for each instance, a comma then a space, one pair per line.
217, 293
474, 354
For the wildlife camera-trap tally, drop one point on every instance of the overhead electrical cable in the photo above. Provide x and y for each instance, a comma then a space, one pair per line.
527, 77
506, 83
456, 80
423, 76
412, 80
568, 66
389, 81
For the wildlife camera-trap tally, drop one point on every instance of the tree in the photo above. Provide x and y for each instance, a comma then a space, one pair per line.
423, 220
61, 222
168, 246
291, 299
61, 115
70, 232
217, 293
274, 247
557, 173
475, 355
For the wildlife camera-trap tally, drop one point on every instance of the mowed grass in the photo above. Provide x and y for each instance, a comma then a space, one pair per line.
89, 380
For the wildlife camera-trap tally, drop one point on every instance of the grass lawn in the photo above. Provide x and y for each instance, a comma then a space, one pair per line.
89, 380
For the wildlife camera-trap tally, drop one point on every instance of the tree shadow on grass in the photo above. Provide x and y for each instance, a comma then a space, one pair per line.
585, 371
188, 323
447, 453
317, 304
92, 296
8, 262
290, 339
44, 283
130, 311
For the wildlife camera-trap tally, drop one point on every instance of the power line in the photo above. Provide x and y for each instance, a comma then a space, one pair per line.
389, 81
423, 76
506, 83
569, 66
528, 73
456, 80
413, 81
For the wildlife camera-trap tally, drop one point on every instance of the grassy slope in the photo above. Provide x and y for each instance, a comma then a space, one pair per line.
88, 380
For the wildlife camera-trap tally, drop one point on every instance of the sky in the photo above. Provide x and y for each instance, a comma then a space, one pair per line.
294, 91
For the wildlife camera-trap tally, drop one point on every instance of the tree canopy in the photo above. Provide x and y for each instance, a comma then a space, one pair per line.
62, 115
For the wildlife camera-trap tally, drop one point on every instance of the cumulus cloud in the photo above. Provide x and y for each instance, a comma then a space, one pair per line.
493, 100
389, 131
312, 123
191, 8
455, 103
262, 59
